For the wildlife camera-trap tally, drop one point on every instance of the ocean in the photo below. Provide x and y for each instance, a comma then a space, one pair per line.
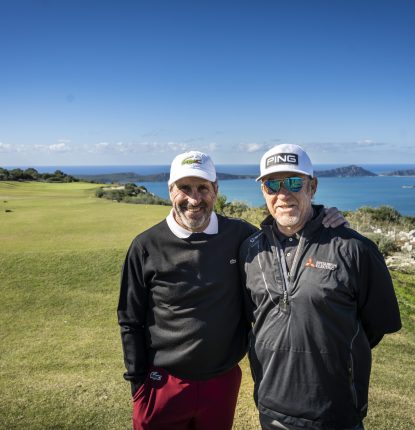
344, 193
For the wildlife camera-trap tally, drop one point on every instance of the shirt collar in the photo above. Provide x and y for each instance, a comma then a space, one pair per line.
281, 236
182, 233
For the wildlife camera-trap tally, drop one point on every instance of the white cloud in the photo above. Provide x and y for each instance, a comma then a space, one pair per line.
54, 148
136, 147
111, 148
178, 146
5, 147
252, 147
123, 148
9, 148
97, 147
106, 147
59, 147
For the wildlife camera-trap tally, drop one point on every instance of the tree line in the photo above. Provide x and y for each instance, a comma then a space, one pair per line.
32, 174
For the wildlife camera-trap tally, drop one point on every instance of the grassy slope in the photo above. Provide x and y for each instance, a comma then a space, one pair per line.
61, 367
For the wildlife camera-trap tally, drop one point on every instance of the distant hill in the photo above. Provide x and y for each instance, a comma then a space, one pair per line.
106, 178
343, 172
409, 172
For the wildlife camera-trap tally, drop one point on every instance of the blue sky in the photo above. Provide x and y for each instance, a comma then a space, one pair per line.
137, 82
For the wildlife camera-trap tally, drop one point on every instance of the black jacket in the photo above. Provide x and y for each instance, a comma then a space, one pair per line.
313, 328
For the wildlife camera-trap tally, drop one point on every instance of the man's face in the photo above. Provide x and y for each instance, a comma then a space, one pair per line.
291, 210
193, 200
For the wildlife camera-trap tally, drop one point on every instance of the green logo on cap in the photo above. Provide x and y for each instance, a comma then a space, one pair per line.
192, 160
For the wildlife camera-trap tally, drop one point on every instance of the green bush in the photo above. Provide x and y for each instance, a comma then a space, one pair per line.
386, 214
131, 193
221, 204
146, 199
387, 246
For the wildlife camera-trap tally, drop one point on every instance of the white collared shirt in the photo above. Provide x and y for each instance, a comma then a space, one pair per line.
182, 233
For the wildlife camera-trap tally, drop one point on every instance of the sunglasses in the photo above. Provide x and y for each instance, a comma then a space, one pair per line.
272, 186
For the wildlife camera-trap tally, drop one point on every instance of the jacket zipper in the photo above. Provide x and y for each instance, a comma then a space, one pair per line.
296, 257
285, 303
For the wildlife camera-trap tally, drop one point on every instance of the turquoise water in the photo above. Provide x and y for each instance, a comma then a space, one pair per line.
344, 193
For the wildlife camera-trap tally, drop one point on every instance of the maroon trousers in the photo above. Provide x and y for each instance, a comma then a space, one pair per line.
165, 402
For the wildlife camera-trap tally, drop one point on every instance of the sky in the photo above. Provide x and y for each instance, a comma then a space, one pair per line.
123, 82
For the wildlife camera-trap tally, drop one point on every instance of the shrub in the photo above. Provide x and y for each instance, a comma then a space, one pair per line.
221, 204
386, 214
131, 194
387, 246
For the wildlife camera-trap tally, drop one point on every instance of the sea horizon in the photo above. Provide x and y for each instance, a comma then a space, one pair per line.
345, 193
233, 168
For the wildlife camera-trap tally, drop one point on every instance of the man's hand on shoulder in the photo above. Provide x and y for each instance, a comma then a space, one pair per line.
334, 218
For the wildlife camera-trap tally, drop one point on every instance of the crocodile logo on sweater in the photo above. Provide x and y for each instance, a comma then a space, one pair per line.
155, 376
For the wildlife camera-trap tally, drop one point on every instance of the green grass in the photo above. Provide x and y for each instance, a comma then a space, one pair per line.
61, 367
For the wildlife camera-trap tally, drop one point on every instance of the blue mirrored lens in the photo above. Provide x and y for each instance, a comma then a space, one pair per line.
273, 185
293, 184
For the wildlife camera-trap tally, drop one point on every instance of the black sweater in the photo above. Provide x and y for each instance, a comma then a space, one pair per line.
180, 304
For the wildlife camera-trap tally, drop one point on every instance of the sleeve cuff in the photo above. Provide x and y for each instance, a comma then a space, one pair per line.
135, 386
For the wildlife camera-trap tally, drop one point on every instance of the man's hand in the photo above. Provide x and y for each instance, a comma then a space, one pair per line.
334, 218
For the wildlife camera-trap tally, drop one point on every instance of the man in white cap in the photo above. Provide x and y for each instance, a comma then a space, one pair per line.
183, 327
320, 299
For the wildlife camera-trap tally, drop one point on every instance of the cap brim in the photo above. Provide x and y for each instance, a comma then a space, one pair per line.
283, 171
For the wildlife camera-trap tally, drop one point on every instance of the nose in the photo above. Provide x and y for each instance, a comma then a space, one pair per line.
194, 197
283, 192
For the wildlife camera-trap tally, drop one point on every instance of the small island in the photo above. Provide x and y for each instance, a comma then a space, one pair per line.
344, 172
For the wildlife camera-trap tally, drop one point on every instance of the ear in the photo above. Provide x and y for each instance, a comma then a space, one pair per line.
313, 184
170, 188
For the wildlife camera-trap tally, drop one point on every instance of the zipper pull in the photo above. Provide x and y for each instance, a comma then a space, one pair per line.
284, 304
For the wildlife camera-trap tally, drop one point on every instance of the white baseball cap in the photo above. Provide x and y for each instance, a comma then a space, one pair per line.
285, 158
192, 163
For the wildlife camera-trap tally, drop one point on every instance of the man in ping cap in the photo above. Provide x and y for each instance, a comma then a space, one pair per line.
319, 298
183, 327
